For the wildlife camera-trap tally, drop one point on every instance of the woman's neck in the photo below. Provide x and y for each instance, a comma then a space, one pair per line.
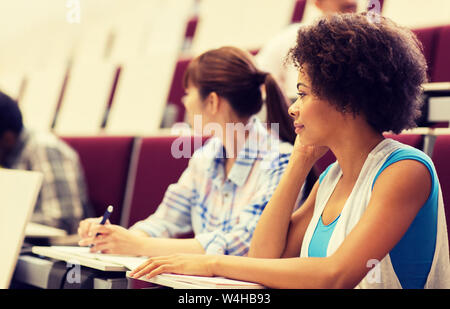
235, 133
351, 149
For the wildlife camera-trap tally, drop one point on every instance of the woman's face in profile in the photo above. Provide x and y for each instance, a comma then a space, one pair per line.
195, 109
315, 119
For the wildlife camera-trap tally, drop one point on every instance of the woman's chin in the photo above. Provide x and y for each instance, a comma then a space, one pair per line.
308, 142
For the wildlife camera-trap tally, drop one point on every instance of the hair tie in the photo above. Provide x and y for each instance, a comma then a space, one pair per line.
260, 77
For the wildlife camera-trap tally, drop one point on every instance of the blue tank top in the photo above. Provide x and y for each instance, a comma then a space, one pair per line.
413, 255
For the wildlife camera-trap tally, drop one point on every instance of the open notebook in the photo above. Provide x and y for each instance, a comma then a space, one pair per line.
113, 262
198, 282
82, 256
36, 230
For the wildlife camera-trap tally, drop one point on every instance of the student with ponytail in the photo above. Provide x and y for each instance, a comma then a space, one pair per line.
229, 181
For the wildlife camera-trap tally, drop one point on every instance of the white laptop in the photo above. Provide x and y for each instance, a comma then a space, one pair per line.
18, 194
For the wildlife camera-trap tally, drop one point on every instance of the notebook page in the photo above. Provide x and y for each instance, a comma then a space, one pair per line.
213, 281
130, 262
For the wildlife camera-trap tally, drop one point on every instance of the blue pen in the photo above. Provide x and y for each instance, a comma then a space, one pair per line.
106, 215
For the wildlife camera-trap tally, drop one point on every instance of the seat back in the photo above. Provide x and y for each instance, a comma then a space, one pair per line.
176, 89
414, 140
428, 37
105, 161
191, 27
85, 99
249, 28
417, 13
299, 9
323, 163
140, 95
441, 69
40, 99
156, 168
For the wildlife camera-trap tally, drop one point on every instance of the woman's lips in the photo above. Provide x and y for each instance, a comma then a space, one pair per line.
298, 127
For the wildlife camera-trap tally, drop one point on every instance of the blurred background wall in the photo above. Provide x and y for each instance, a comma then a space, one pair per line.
87, 67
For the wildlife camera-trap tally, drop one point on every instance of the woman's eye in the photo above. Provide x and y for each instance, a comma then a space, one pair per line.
301, 94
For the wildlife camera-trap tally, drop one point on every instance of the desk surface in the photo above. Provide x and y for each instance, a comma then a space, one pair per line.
445, 86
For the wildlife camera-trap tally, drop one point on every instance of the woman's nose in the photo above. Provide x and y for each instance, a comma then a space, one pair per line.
293, 110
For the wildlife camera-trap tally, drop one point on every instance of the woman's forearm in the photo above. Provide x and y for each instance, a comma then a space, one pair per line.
270, 235
292, 273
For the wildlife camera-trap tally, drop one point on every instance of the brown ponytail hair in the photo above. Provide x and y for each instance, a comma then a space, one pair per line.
231, 73
277, 109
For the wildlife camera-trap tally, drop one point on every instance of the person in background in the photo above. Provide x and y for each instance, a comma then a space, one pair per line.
271, 57
228, 182
375, 218
62, 201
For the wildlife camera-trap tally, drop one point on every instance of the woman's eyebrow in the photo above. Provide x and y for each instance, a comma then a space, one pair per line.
301, 84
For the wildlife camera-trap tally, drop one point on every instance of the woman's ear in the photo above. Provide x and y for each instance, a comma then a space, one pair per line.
7, 142
213, 103
8, 139
318, 4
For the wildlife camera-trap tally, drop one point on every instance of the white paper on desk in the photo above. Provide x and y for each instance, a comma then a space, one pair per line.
130, 262
210, 281
39, 230
187, 282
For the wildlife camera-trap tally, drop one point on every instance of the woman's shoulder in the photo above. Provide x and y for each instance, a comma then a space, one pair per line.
406, 152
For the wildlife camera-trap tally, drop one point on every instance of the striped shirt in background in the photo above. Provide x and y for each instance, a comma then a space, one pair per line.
62, 201
221, 210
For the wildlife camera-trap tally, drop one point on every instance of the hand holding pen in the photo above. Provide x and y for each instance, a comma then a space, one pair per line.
85, 230
106, 216
101, 236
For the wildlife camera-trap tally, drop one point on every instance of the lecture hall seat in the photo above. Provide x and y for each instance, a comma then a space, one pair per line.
441, 70
323, 163
191, 27
299, 8
428, 37
414, 140
155, 170
249, 29
415, 14
440, 157
140, 95
105, 161
86, 97
177, 92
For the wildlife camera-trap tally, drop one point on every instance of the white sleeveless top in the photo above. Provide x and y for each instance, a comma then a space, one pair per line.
382, 275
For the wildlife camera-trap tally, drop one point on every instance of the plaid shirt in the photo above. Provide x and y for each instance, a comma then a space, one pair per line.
221, 210
63, 198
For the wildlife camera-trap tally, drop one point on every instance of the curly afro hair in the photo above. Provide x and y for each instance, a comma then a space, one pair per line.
371, 68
